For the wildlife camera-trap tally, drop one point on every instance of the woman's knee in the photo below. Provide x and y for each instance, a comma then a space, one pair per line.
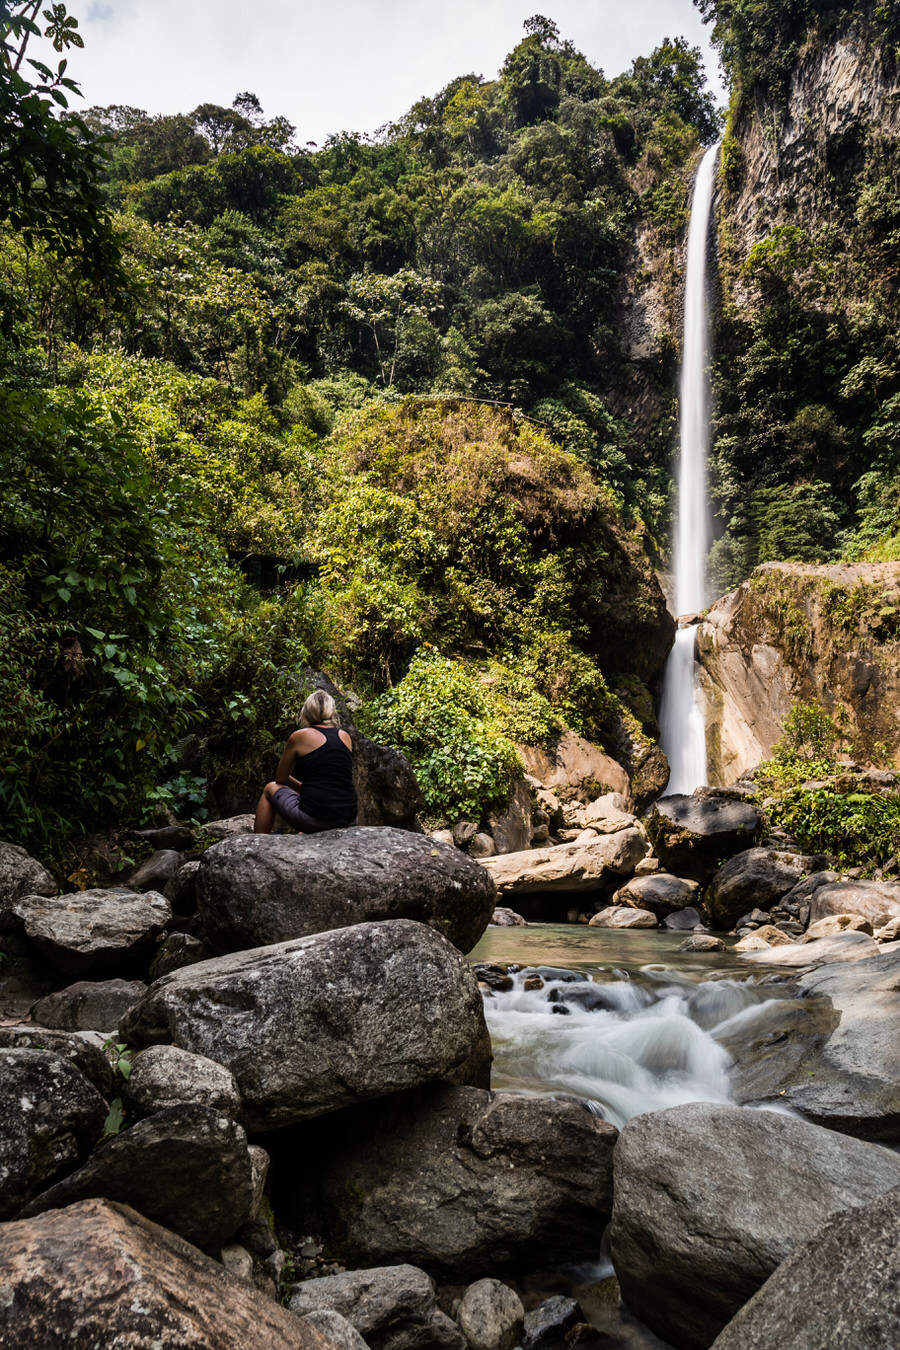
270, 789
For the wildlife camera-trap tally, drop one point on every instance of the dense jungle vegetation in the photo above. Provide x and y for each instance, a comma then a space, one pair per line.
370, 407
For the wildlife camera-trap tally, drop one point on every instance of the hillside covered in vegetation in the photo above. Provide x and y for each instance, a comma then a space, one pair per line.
402, 407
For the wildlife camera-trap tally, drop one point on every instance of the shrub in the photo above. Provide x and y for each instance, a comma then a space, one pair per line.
439, 716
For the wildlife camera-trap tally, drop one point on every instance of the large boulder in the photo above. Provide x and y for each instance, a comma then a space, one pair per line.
510, 826
581, 866
324, 1021
50, 1117
840, 1288
20, 875
453, 1179
387, 789
93, 931
660, 892
260, 889
186, 1167
692, 835
753, 879
98, 1274
575, 769
843, 1069
392, 1307
822, 951
710, 1199
873, 900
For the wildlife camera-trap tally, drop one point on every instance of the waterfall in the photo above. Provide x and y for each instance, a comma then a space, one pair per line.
682, 722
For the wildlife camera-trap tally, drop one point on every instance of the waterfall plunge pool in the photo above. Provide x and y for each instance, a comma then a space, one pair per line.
622, 1019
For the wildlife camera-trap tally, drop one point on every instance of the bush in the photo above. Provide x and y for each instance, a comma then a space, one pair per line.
439, 716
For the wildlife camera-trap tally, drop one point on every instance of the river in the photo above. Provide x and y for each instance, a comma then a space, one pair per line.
621, 1019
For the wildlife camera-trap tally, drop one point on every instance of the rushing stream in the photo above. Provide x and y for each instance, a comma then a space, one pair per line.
622, 1019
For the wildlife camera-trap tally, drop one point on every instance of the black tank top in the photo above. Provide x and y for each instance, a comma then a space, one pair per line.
326, 778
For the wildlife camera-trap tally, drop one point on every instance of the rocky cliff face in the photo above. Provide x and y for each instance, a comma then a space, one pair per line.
797, 633
792, 157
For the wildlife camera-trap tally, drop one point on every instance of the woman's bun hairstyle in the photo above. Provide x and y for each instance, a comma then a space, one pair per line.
319, 707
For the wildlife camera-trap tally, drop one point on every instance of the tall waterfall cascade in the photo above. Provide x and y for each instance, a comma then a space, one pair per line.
682, 720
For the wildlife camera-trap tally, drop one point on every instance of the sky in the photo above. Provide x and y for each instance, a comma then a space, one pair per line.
347, 65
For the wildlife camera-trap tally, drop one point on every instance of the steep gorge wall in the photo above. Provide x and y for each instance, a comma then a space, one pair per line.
793, 156
799, 633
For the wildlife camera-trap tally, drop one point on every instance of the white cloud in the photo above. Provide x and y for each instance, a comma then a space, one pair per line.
349, 65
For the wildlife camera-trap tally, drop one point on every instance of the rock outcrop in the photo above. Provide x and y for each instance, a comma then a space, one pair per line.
93, 931
391, 1307
692, 835
50, 1117
324, 1021
796, 632
256, 890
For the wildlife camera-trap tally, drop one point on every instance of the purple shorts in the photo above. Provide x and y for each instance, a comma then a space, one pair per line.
286, 801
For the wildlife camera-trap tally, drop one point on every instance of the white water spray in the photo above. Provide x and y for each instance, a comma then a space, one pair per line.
682, 722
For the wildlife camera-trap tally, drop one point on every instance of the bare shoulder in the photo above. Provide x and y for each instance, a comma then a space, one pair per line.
305, 739
345, 739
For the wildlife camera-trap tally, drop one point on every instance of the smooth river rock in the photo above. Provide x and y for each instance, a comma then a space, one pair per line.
165, 1075
660, 892
692, 835
568, 867
839, 1289
849, 1080
187, 1168
114, 1279
324, 1021
93, 931
710, 1199
392, 1307
89, 1005
256, 890
454, 1179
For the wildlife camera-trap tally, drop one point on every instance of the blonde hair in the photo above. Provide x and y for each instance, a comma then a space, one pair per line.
319, 707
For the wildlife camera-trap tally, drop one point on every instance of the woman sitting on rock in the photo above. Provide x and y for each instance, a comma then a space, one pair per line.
324, 797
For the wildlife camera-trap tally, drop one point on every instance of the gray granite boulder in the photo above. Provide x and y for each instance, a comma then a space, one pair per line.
93, 931
86, 1056
453, 1179
392, 1307
709, 1200
50, 1117
873, 900
186, 1167
156, 873
89, 1005
660, 892
692, 835
114, 1279
20, 875
164, 1075
257, 890
838, 1062
324, 1021
840, 1288
755, 878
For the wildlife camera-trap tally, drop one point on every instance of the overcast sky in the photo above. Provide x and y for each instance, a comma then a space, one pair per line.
348, 65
